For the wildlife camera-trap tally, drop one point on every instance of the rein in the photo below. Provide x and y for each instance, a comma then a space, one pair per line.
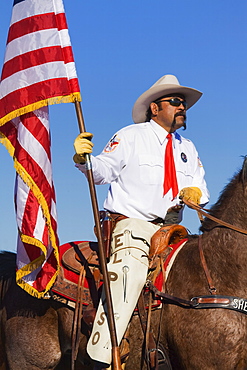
205, 213
204, 301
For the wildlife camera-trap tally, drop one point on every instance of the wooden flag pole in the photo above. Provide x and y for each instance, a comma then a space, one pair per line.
116, 362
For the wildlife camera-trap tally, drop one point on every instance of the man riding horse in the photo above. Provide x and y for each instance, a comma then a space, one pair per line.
150, 167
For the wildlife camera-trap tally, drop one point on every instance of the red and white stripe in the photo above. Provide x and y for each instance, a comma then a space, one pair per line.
37, 249
39, 65
38, 69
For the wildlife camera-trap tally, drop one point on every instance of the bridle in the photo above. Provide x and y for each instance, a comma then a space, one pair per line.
202, 211
238, 304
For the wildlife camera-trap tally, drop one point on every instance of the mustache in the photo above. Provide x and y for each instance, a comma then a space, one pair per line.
183, 114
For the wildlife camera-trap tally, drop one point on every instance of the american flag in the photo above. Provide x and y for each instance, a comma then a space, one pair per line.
38, 70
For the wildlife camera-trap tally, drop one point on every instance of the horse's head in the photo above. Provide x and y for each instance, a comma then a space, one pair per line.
231, 206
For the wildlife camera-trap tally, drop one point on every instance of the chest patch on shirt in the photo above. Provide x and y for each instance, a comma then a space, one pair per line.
112, 144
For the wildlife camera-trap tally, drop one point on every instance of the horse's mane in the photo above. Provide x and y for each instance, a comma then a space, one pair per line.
7, 264
7, 272
230, 197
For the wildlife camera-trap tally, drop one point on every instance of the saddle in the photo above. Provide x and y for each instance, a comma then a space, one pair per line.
75, 256
79, 259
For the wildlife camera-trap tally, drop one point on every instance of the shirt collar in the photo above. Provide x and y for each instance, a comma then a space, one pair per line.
162, 133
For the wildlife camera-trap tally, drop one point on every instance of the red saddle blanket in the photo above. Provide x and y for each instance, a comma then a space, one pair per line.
66, 284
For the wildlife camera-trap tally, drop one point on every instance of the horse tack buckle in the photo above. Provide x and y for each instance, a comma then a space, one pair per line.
220, 301
212, 290
209, 301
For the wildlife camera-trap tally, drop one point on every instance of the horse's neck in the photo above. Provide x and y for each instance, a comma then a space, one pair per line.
226, 244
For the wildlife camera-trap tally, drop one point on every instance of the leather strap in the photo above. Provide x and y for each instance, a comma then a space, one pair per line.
169, 298
150, 344
118, 217
212, 289
213, 301
77, 318
205, 213
78, 313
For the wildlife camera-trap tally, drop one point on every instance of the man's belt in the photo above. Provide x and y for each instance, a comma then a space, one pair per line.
118, 216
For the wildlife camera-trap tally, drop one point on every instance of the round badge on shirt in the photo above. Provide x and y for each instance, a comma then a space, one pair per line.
184, 157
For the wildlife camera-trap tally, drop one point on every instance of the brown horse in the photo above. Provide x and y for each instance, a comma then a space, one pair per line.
36, 334
212, 338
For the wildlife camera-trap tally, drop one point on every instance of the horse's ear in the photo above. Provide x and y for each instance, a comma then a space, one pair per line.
244, 170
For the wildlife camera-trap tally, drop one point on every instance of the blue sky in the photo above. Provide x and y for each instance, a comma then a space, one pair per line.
121, 48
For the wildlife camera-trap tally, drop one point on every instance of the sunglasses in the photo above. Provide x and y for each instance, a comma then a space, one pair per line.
175, 102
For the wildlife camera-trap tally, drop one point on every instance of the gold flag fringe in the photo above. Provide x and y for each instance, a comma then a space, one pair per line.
30, 240
32, 266
42, 103
7, 144
28, 269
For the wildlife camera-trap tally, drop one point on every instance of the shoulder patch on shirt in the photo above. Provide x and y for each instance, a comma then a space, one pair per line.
199, 162
112, 144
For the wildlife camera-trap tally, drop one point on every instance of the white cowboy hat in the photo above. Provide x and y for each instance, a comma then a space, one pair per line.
167, 84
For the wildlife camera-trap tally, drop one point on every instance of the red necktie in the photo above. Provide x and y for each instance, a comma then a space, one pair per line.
170, 179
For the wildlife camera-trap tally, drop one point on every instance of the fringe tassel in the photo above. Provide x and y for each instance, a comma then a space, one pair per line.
28, 239
32, 266
7, 144
42, 103
26, 270
36, 191
29, 289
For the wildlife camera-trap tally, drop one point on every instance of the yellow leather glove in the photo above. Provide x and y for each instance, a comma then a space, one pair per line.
191, 193
82, 145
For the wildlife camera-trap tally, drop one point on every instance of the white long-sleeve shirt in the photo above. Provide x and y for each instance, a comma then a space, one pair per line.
133, 164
